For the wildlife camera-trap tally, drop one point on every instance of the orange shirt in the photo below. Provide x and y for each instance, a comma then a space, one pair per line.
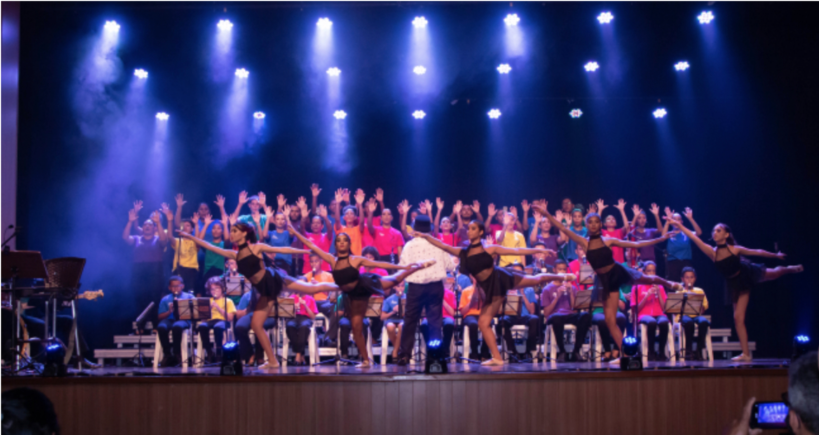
466, 296
322, 276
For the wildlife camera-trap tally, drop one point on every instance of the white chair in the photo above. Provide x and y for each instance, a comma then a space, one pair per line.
678, 330
669, 346
550, 335
158, 354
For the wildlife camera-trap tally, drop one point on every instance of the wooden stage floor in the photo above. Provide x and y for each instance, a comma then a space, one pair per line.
544, 398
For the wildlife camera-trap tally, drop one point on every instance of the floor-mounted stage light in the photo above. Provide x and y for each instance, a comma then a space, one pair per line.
55, 361
436, 360
801, 346
630, 358
231, 360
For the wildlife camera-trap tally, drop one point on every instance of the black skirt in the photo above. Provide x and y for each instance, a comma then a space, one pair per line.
749, 275
271, 284
611, 281
369, 284
497, 284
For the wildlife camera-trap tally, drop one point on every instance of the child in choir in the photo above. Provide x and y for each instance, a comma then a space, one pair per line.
222, 312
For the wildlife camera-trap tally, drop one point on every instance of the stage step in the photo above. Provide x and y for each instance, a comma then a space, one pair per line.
120, 354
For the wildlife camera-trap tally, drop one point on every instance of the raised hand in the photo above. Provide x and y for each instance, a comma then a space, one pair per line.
538, 216
132, 215
195, 217
403, 207
207, 219
379, 195
636, 209
559, 215
220, 201
243, 197
593, 208
314, 189
286, 211
667, 210
268, 212
476, 206
621, 205
508, 220
372, 205
688, 213
301, 203
155, 217
457, 207
360, 196
422, 206
180, 200
524, 205
601, 206
166, 210
233, 219
428, 206
655, 209
514, 211
345, 194
137, 206
339, 195
262, 199
491, 209
281, 200
440, 203
322, 211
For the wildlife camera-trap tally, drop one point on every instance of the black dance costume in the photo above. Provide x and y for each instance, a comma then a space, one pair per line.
369, 284
499, 281
618, 276
270, 285
740, 274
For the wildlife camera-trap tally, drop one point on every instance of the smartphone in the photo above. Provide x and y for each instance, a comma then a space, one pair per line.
769, 415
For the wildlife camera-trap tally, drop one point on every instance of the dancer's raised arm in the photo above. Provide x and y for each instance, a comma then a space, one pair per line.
641, 243
502, 250
439, 244
366, 262
228, 253
704, 247
580, 240
311, 246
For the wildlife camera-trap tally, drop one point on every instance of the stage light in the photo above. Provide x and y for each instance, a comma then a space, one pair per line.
705, 17
54, 361
494, 114
436, 361
576, 113
591, 66
162, 116
324, 23
419, 114
242, 73
259, 115
504, 68
630, 360
419, 22
339, 114
681, 66
333, 72
801, 346
419, 70
112, 26
659, 113
141, 73
605, 17
231, 360
511, 20
224, 25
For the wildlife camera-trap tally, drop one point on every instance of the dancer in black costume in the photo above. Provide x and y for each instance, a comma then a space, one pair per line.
610, 275
267, 281
358, 287
740, 274
493, 281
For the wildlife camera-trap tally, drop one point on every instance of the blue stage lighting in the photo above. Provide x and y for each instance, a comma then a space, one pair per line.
242, 73
576, 113
801, 346
339, 114
605, 17
419, 114
494, 114
333, 72
681, 66
511, 20
141, 73
54, 361
162, 116
591, 66
111, 26
231, 360
324, 23
659, 113
504, 68
630, 346
224, 25
436, 359
419, 22
705, 17
259, 115
419, 70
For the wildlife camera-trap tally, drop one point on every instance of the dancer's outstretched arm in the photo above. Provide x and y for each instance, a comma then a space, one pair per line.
366, 262
707, 249
580, 240
308, 288
439, 244
228, 253
502, 250
312, 246
640, 244
758, 252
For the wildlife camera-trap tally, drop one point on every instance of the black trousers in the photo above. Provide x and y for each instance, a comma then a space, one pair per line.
189, 276
580, 320
242, 331
176, 327
148, 285
472, 323
599, 320
218, 327
673, 269
420, 296
651, 323
504, 328
688, 326
449, 329
298, 331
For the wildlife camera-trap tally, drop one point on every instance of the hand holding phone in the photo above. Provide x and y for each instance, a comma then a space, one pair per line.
769, 415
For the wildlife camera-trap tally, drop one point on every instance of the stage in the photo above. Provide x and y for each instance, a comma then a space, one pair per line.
568, 398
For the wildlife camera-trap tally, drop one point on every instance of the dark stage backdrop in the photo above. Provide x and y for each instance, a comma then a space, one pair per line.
737, 145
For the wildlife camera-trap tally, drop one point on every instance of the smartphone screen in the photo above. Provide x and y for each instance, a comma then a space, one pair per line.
769, 415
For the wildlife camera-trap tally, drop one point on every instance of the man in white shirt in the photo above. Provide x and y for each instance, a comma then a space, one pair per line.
426, 288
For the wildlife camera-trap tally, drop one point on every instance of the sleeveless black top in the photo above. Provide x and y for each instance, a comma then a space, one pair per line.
474, 264
730, 265
599, 257
250, 265
345, 275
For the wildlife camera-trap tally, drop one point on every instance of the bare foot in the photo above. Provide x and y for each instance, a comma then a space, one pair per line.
364, 364
742, 358
267, 367
796, 269
493, 362
615, 362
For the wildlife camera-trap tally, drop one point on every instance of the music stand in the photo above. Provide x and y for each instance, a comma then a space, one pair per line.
282, 308
20, 265
583, 301
193, 309
586, 274
374, 306
685, 304
337, 357
236, 286
511, 306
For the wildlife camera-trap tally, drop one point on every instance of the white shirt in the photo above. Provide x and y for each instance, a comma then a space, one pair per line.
420, 250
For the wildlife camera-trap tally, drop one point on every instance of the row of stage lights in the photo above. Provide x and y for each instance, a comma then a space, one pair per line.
511, 20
